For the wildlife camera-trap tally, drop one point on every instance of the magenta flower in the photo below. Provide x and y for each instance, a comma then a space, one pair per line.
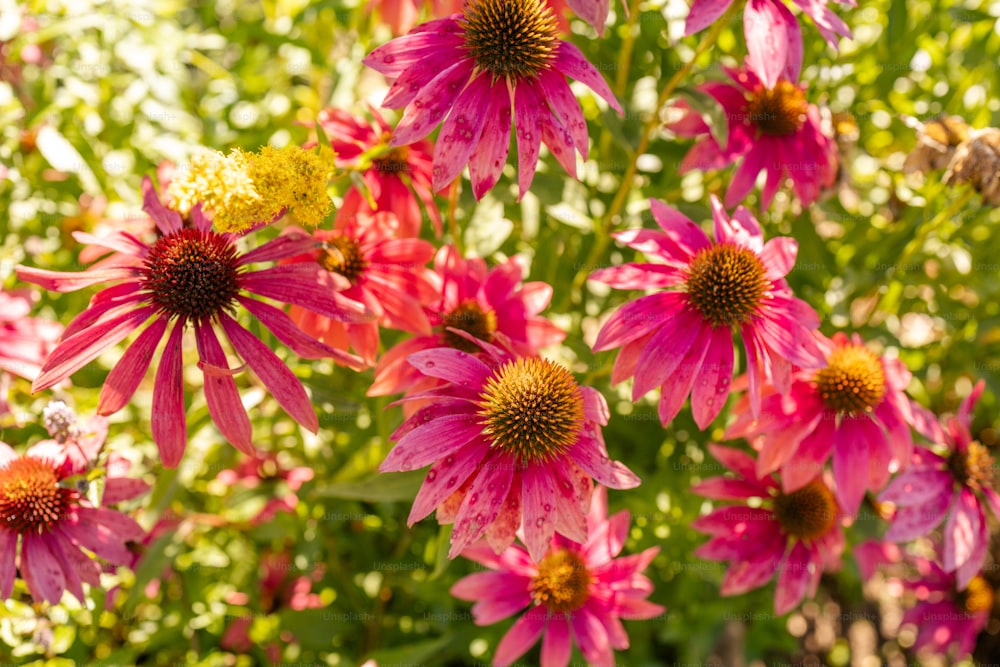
576, 594
771, 128
773, 36
368, 264
732, 286
956, 485
481, 302
192, 276
523, 436
854, 407
496, 61
54, 523
398, 179
795, 535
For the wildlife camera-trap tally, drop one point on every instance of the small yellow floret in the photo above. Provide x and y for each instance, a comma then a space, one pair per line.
244, 189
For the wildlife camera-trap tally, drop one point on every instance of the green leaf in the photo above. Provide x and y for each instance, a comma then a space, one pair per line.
413, 654
386, 487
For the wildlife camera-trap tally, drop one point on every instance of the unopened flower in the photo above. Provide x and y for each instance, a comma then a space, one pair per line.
710, 291
516, 438
498, 62
794, 535
192, 276
936, 142
957, 485
977, 162
576, 593
772, 128
243, 190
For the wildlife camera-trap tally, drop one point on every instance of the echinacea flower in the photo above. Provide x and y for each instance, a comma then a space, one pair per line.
715, 290
773, 36
577, 593
389, 275
522, 438
956, 485
55, 525
396, 177
498, 62
795, 535
855, 407
267, 469
480, 301
24, 341
771, 128
192, 276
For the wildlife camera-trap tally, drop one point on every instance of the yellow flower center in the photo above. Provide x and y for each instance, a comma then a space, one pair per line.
532, 409
973, 467
853, 381
191, 274
515, 39
471, 318
342, 254
393, 160
31, 500
726, 283
807, 513
563, 581
778, 111
978, 596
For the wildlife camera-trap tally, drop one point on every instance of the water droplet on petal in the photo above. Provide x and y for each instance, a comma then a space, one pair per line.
451, 482
539, 522
474, 498
429, 364
431, 476
548, 507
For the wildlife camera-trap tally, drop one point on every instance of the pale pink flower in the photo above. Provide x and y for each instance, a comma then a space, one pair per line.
497, 62
192, 276
480, 301
855, 407
523, 436
53, 521
711, 291
25, 341
773, 36
576, 593
795, 536
771, 128
365, 261
397, 176
957, 485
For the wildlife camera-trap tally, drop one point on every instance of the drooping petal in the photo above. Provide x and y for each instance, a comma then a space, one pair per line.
445, 477
168, 421
716, 374
766, 30
126, 375
460, 133
65, 281
221, 394
556, 644
539, 493
285, 330
431, 104
521, 637
486, 163
571, 61
8, 556
704, 13
40, 569
793, 579
431, 442
528, 131
482, 504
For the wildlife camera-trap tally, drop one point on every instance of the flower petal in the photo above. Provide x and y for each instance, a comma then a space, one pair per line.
445, 477
168, 420
716, 374
431, 442
460, 133
766, 30
486, 163
124, 378
431, 104
221, 394
482, 504
571, 61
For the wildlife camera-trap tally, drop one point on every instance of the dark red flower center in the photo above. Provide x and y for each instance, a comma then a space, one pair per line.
474, 320
342, 254
726, 283
192, 274
853, 381
977, 597
532, 409
778, 111
563, 581
807, 513
515, 39
31, 499
973, 467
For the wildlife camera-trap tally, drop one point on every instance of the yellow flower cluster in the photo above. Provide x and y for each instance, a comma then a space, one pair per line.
242, 189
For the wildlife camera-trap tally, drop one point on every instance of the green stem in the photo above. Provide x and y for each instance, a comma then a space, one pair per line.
645, 137
623, 69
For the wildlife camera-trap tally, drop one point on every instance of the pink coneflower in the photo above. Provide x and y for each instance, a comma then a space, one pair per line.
773, 36
577, 593
24, 341
481, 302
771, 128
54, 523
796, 535
854, 407
948, 616
956, 485
396, 178
368, 264
192, 276
732, 286
497, 61
523, 435
266, 468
